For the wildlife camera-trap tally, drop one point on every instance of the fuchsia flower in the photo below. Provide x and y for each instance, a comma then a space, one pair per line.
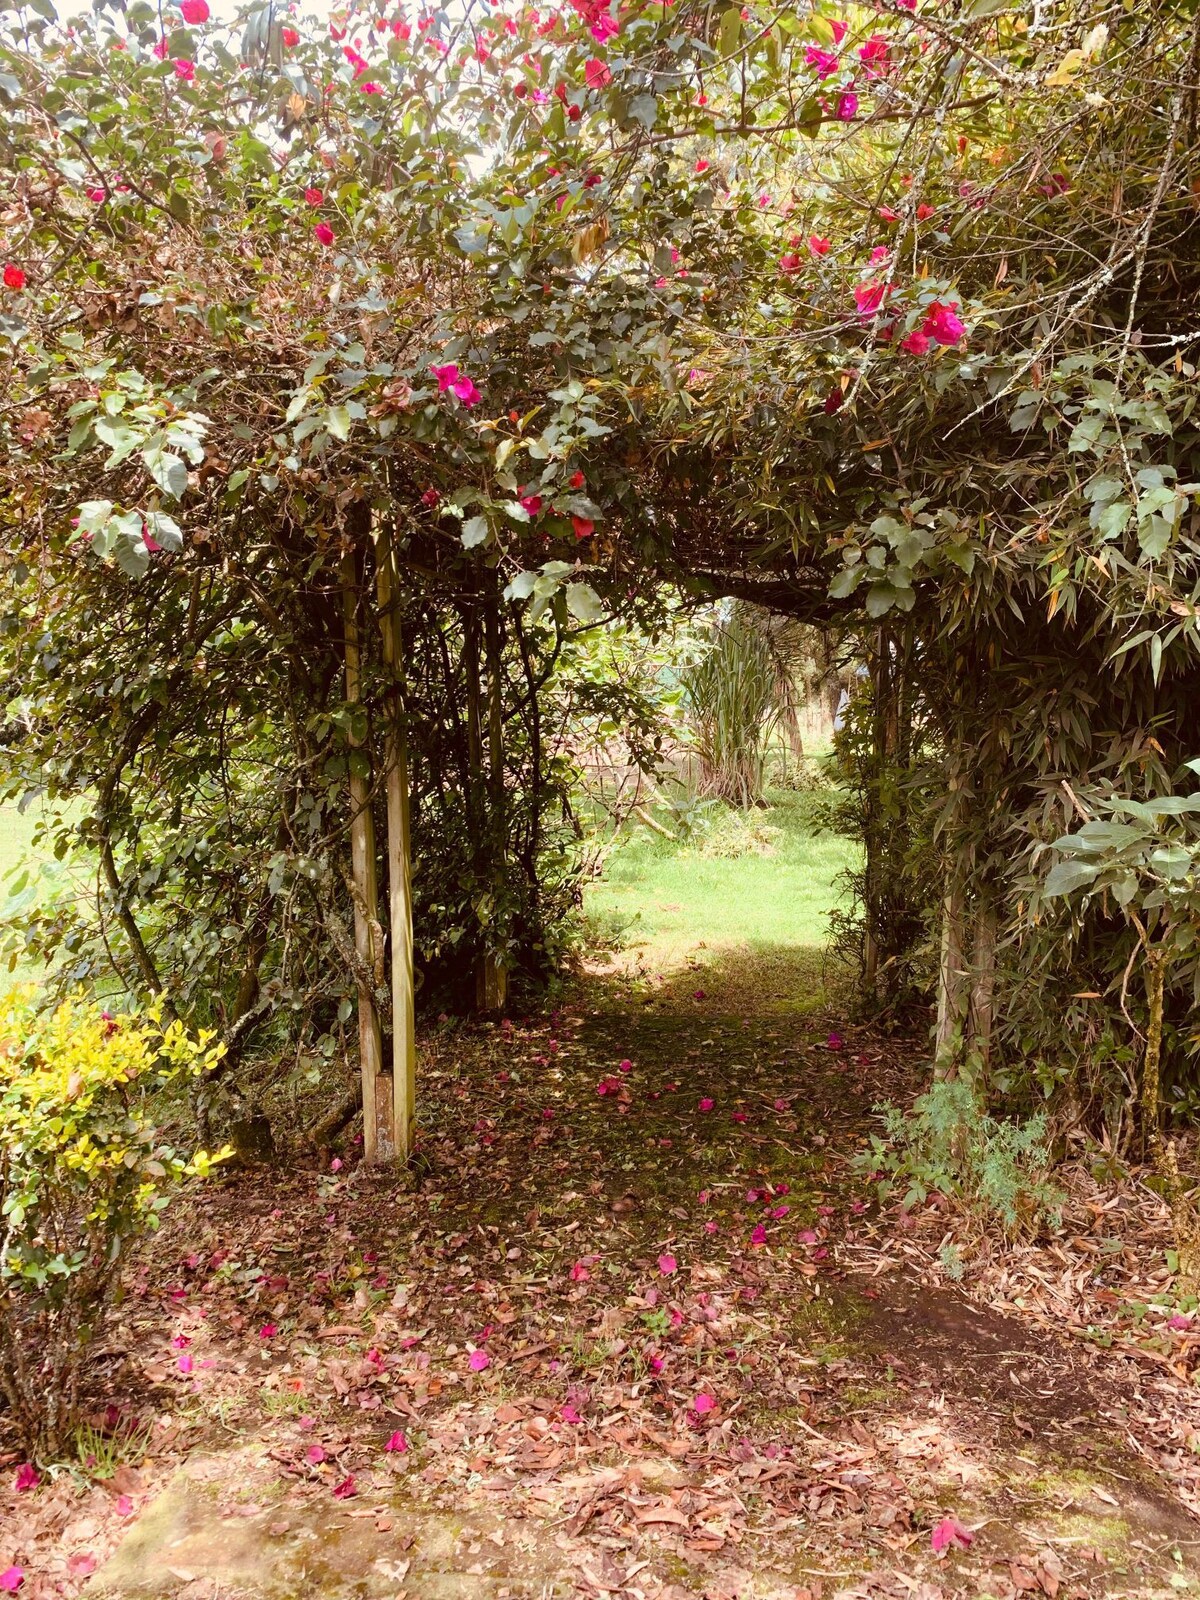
701, 165
532, 503
597, 74
834, 1042
11, 1579
847, 106
479, 1361
323, 234
790, 264
267, 1331
185, 70
313, 197
667, 1264
371, 88
917, 343
347, 1489
825, 63
706, 1104
449, 377
943, 323
27, 1477
703, 1404
195, 11
397, 1444
759, 1234
818, 246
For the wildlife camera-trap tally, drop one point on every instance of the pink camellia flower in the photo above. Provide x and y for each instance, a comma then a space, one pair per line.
479, 1361
706, 1104
185, 70
825, 63
597, 75
839, 29
711, 1227
869, 298
779, 1211
847, 106
323, 234
195, 11
703, 1404
943, 323
397, 1444
466, 392
97, 196
431, 498
887, 214
625, 1066
949, 1533
568, 1413
370, 88
11, 1579
547, 1115
27, 1477
336, 1164
532, 503
185, 1364
315, 1454
874, 54
446, 375
160, 50
917, 343
604, 27
267, 1331
667, 1264
313, 197
759, 1234
879, 253
818, 246
347, 1489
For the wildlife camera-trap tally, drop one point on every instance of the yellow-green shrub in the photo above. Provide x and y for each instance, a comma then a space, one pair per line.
82, 1170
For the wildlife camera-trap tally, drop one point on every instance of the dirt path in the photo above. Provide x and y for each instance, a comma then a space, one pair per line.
635, 1331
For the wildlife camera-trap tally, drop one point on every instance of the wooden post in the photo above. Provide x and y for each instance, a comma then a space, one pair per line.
379, 1144
494, 989
399, 853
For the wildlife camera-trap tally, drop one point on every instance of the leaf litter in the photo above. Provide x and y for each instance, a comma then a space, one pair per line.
660, 1332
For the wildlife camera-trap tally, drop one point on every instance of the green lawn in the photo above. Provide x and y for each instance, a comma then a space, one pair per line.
764, 882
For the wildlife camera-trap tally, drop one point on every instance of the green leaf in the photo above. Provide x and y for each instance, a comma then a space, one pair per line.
584, 603
730, 34
474, 532
168, 471
337, 422
1067, 876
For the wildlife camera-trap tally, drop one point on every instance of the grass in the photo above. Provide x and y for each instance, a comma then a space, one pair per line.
753, 883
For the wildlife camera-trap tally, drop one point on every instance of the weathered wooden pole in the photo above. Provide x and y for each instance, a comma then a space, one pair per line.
399, 854
379, 1142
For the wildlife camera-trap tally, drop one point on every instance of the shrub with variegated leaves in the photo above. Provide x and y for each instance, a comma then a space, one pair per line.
83, 1170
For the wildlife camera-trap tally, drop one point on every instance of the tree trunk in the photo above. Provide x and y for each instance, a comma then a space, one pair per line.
983, 976
379, 1139
399, 853
953, 981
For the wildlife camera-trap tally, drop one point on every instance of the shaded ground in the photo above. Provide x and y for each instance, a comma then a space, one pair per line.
631, 1343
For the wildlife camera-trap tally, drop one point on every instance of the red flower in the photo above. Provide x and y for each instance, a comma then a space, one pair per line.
868, 297
818, 246
825, 63
584, 527
596, 74
577, 480
290, 38
701, 165
834, 401
790, 264
430, 497
195, 11
314, 197
532, 503
14, 277
917, 343
185, 70
925, 211
323, 233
